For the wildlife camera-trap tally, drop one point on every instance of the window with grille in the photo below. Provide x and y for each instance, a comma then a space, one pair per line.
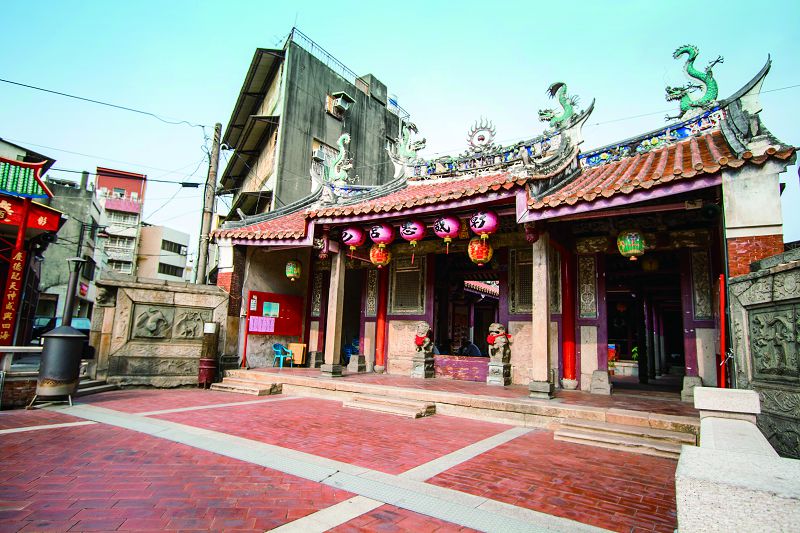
520, 281
326, 152
170, 270
407, 295
123, 267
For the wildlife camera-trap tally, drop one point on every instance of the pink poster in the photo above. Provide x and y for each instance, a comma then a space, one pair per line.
262, 324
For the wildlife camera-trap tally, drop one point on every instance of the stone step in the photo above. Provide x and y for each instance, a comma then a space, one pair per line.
394, 406
620, 442
102, 386
633, 431
87, 383
245, 387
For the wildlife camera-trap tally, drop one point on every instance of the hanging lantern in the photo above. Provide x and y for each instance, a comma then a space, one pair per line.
446, 228
631, 244
484, 223
353, 237
381, 234
380, 257
412, 231
480, 251
650, 264
293, 269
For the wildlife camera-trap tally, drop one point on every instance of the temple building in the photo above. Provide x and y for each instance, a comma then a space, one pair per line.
539, 263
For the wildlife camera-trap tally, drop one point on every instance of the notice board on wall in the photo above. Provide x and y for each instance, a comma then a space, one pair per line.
269, 313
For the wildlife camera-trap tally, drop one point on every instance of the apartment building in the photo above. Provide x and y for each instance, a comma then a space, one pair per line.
162, 253
121, 197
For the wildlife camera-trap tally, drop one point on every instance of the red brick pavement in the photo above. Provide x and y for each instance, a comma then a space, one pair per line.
101, 478
614, 490
144, 400
656, 402
391, 518
387, 443
21, 418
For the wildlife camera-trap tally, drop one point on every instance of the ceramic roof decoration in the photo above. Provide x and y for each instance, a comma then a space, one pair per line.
23, 179
546, 176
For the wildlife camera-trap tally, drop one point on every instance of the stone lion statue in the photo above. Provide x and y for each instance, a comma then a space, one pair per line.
422, 340
499, 343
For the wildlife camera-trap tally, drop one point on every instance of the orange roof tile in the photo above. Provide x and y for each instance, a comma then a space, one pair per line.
291, 226
687, 159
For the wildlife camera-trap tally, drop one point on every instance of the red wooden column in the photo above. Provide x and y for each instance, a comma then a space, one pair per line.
380, 320
15, 281
568, 281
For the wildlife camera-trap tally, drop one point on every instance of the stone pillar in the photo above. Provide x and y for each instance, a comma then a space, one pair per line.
333, 329
540, 385
422, 363
753, 218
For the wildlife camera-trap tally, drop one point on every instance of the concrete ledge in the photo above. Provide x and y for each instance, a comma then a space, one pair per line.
727, 491
727, 403
732, 435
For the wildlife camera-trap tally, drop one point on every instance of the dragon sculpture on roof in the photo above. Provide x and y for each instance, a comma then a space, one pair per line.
706, 81
403, 151
334, 178
556, 120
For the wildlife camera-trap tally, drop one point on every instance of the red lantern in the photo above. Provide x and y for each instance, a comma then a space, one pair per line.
353, 237
380, 257
381, 234
446, 228
484, 223
480, 251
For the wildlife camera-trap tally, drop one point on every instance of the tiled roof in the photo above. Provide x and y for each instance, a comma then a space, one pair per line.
685, 160
291, 226
480, 286
418, 193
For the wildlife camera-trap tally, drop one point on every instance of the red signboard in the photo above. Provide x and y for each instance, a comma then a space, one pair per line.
39, 216
11, 298
274, 314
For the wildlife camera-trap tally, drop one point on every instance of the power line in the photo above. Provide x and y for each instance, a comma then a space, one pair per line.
116, 106
148, 180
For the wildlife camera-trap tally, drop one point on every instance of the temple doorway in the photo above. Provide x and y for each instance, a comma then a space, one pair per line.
645, 332
466, 302
351, 313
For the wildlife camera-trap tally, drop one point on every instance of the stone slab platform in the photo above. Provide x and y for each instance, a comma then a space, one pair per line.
520, 411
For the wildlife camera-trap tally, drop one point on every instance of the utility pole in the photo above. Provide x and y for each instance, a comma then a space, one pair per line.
208, 207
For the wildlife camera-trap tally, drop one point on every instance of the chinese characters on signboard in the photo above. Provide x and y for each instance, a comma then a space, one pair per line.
12, 296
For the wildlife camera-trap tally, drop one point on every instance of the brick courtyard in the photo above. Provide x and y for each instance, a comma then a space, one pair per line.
159, 460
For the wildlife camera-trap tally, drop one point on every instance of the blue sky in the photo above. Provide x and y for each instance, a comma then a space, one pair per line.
448, 63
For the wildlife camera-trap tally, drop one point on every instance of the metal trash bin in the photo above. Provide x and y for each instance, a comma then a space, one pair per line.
59, 372
207, 372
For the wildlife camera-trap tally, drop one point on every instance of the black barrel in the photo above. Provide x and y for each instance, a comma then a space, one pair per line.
59, 371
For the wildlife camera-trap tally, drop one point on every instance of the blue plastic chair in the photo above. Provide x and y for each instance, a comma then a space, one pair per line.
282, 352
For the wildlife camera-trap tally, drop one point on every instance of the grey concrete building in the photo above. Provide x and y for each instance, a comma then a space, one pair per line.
294, 105
78, 202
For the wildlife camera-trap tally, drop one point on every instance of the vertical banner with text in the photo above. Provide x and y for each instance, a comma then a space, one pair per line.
11, 297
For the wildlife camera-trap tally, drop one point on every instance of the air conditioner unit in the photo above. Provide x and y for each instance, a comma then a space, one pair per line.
183, 250
341, 105
318, 155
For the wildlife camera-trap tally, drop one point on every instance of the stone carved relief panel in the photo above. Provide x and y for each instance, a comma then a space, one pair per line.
587, 286
160, 322
371, 304
786, 286
774, 343
701, 286
782, 434
316, 294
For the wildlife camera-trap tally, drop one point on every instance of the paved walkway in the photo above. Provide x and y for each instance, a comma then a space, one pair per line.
201, 460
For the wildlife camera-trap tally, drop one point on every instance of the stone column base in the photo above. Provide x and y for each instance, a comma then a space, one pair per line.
689, 383
499, 374
379, 369
569, 384
600, 383
316, 359
543, 390
357, 364
331, 371
422, 367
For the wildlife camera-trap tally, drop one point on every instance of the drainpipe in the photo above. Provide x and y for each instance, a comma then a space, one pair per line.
567, 309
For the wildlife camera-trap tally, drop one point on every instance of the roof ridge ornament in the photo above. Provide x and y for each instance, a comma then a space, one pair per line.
334, 178
403, 151
481, 137
562, 120
698, 80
